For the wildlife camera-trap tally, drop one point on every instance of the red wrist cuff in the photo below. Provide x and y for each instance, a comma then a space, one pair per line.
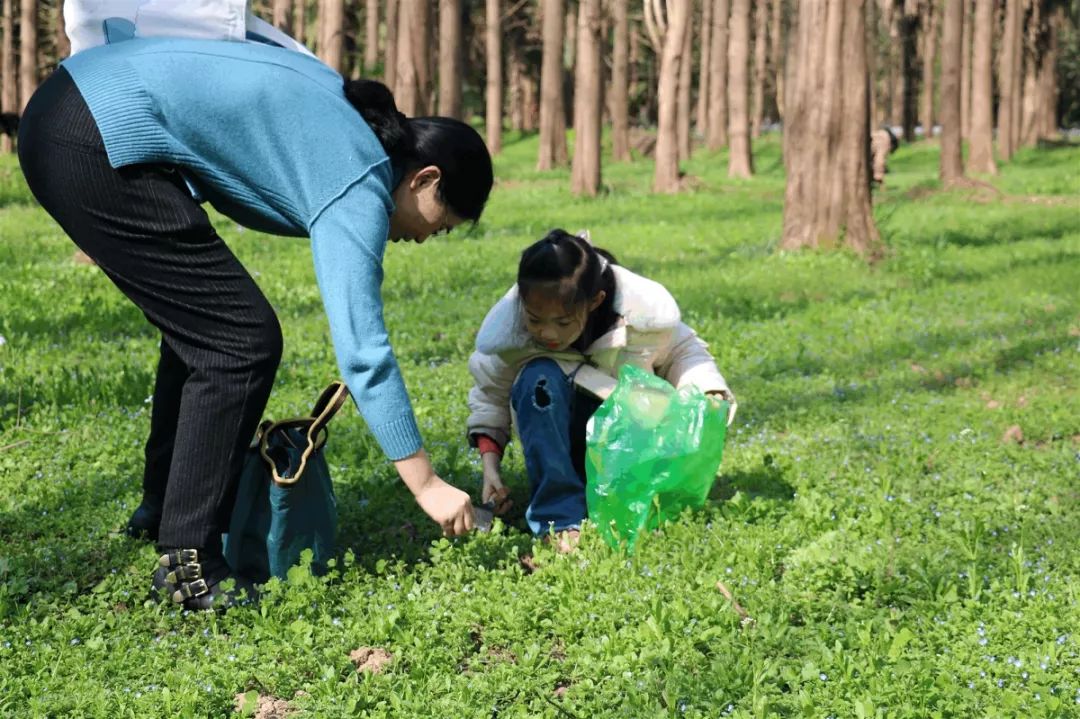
486, 444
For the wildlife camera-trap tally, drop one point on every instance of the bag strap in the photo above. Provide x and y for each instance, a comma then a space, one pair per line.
314, 428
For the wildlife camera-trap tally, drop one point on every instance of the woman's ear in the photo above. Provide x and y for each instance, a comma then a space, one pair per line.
425, 176
597, 300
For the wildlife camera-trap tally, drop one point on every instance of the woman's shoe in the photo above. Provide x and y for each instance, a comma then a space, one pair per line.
145, 521
200, 584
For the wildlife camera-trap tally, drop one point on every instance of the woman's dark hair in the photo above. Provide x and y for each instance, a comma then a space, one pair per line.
567, 266
451, 145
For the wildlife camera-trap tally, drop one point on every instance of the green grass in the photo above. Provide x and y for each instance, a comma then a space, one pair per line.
900, 559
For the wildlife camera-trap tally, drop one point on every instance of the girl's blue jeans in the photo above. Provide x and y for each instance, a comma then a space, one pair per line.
551, 417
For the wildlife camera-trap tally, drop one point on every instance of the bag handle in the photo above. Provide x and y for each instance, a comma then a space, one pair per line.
314, 427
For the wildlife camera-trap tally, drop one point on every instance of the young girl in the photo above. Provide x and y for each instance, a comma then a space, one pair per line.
550, 348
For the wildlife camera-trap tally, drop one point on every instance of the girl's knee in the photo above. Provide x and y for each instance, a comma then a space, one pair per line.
541, 383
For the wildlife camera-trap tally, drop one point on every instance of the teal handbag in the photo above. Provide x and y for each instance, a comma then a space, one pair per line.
285, 501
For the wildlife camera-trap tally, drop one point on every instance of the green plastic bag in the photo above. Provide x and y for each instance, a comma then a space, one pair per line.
285, 502
651, 451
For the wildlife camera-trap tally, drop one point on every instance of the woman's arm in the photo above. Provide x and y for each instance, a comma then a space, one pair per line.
348, 238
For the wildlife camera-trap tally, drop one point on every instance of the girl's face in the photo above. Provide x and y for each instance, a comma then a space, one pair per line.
418, 211
551, 324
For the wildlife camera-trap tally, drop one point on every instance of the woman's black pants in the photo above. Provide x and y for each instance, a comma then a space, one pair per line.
220, 338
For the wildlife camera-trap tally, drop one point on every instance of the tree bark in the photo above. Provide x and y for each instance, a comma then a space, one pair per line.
450, 58
666, 177
620, 90
686, 75
494, 79
406, 91
28, 52
514, 85
588, 99
761, 33
371, 36
930, 17
63, 44
279, 16
776, 55
739, 160
552, 115
981, 149
952, 48
909, 24
299, 19
1010, 62
702, 120
391, 57
827, 138
718, 77
422, 56
1048, 80
9, 91
332, 42
965, 74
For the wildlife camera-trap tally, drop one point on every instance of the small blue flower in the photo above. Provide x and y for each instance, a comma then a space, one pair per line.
823, 677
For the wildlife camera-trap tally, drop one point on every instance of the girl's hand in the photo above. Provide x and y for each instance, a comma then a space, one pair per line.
494, 492
448, 506
725, 395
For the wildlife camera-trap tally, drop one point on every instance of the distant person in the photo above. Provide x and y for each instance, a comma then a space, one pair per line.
572, 304
882, 144
123, 143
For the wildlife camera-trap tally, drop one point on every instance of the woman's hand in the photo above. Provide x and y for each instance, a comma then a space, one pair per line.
448, 506
494, 492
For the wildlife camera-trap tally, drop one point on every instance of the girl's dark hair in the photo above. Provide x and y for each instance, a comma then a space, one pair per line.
451, 145
569, 267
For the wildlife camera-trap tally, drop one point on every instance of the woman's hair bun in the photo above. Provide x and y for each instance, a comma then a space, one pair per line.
375, 103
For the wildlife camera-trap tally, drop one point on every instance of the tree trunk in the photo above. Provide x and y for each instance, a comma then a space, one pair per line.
739, 161
63, 44
332, 42
620, 90
28, 52
371, 36
422, 56
776, 55
493, 44
514, 85
1008, 79
827, 138
702, 120
588, 98
450, 58
1036, 60
1048, 80
530, 99
391, 62
761, 30
552, 115
299, 20
965, 74
930, 17
686, 78
952, 48
279, 16
718, 77
909, 24
9, 91
666, 177
406, 92
981, 148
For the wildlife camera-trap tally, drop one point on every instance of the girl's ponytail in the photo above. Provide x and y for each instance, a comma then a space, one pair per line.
374, 101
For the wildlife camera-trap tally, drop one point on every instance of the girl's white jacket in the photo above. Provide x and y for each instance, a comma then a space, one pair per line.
649, 334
